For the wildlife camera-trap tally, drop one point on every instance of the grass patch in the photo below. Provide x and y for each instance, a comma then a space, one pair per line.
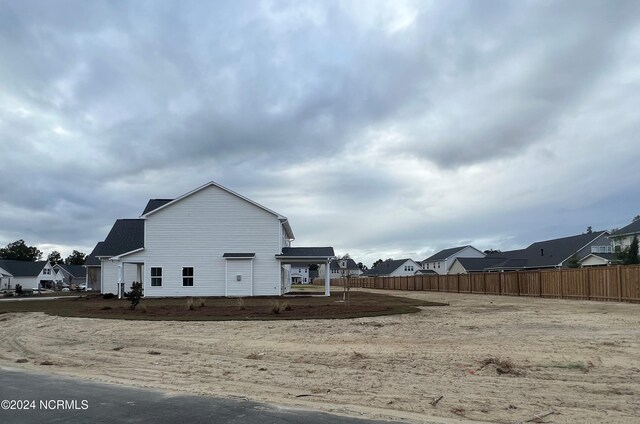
363, 304
576, 365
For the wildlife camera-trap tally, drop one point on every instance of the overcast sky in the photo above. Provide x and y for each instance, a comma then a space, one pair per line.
383, 129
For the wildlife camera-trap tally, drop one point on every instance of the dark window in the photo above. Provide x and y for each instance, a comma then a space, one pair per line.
156, 276
187, 276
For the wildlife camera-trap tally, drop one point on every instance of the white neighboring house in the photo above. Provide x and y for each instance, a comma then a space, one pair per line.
621, 239
30, 275
442, 261
208, 242
336, 272
71, 274
393, 268
300, 274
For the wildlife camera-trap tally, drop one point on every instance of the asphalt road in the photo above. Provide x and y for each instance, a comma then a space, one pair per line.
91, 402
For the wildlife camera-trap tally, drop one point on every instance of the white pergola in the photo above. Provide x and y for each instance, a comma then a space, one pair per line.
309, 255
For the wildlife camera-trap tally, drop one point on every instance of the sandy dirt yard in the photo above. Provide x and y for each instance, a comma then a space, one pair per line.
493, 359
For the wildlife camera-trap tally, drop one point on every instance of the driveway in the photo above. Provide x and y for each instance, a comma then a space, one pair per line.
53, 399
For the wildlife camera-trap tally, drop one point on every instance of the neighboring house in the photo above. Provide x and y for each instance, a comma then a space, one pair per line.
621, 239
442, 261
352, 269
71, 274
599, 259
555, 253
393, 268
208, 242
30, 275
94, 270
300, 274
469, 265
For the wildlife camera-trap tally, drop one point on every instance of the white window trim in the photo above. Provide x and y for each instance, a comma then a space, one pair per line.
151, 277
193, 277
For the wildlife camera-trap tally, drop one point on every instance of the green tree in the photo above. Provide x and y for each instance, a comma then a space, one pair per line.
573, 261
632, 252
19, 251
75, 258
362, 266
589, 229
55, 258
376, 263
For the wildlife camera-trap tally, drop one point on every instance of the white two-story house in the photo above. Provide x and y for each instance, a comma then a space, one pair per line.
441, 262
208, 242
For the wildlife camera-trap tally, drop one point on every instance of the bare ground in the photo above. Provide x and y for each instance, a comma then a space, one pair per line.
493, 359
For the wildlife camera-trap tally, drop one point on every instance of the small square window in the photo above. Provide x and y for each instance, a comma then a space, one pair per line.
156, 276
187, 276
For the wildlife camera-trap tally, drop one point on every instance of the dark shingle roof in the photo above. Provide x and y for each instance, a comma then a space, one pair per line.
238, 255
125, 236
426, 272
545, 254
77, 271
479, 264
386, 267
308, 251
632, 228
155, 204
92, 259
351, 264
444, 254
22, 268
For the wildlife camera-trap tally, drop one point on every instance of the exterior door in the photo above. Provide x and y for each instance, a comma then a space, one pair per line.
239, 277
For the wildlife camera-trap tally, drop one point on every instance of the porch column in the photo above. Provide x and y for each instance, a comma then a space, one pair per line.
327, 280
120, 279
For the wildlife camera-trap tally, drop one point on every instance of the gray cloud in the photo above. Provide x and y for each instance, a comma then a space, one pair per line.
362, 122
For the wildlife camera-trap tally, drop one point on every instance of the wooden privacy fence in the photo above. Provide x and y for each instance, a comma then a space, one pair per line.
613, 283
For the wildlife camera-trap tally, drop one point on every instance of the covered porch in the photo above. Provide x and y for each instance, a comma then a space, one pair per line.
292, 256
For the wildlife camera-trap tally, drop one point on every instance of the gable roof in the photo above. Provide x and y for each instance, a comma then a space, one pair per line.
446, 253
547, 253
22, 268
351, 264
632, 228
386, 267
77, 271
125, 236
282, 218
479, 264
154, 204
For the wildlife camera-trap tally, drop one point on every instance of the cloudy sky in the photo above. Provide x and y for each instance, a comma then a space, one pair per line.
384, 129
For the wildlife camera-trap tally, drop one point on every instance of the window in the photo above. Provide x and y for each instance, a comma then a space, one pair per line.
187, 276
46, 271
156, 277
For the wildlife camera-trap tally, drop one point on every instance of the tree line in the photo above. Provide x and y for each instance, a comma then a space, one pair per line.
20, 251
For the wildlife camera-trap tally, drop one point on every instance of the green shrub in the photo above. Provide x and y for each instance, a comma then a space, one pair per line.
135, 294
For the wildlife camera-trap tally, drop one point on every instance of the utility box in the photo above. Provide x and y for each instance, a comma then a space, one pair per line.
238, 277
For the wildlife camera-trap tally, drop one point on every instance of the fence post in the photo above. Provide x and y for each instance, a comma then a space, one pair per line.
484, 281
539, 284
518, 281
458, 283
500, 283
619, 283
561, 284
588, 273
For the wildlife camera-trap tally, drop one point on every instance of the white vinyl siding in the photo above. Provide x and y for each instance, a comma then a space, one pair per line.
198, 230
109, 276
